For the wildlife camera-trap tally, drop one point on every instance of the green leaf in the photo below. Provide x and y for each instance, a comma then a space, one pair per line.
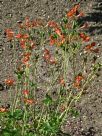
74, 112
47, 100
55, 36
65, 20
18, 114
19, 74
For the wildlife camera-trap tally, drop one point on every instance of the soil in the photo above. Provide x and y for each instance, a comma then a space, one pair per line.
89, 123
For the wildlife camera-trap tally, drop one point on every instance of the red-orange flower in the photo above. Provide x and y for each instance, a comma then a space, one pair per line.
46, 55
23, 43
58, 31
90, 46
52, 24
78, 80
26, 57
27, 54
9, 34
73, 11
84, 37
18, 36
9, 82
25, 36
25, 92
52, 40
27, 22
52, 60
22, 36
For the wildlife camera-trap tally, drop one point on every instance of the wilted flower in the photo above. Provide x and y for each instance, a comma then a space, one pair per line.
62, 108
29, 101
85, 25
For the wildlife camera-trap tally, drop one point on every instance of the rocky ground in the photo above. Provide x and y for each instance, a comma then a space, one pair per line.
89, 123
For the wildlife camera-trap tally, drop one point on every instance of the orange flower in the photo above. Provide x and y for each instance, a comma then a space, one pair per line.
22, 36
27, 22
25, 60
26, 57
18, 36
27, 54
52, 24
84, 37
90, 46
9, 34
52, 60
62, 82
26, 92
46, 55
52, 40
2, 109
25, 36
29, 101
23, 43
58, 31
78, 80
9, 82
73, 11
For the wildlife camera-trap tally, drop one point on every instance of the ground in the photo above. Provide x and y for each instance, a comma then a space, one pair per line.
89, 123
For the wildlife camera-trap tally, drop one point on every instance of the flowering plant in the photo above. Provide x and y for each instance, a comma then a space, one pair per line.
51, 48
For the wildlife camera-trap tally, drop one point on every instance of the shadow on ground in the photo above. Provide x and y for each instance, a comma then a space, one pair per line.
96, 18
